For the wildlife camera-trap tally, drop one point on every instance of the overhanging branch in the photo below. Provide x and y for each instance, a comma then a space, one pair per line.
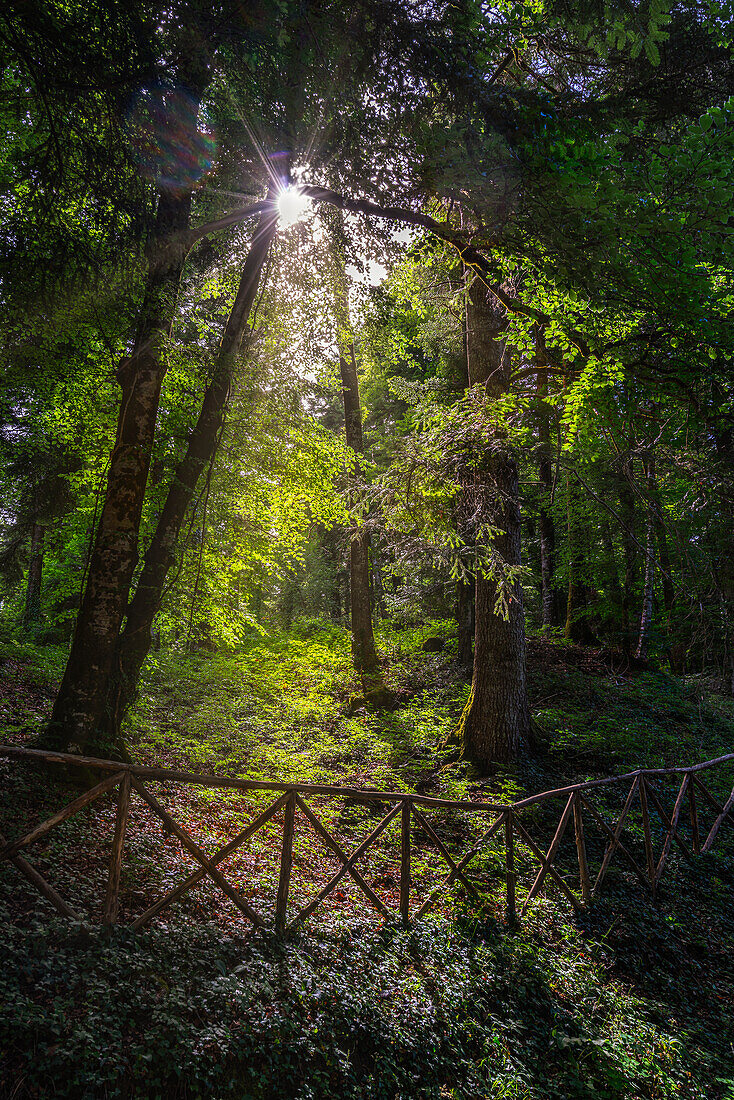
469, 253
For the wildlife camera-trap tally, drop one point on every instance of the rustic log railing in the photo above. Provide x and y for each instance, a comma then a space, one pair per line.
505, 828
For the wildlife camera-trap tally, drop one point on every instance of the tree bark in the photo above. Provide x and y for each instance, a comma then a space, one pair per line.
32, 611
546, 527
627, 514
134, 642
81, 697
378, 586
364, 652
647, 588
495, 727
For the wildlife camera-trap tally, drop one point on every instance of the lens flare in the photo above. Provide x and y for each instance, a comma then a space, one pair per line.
170, 148
292, 205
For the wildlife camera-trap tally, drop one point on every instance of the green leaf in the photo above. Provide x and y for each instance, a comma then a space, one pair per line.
652, 52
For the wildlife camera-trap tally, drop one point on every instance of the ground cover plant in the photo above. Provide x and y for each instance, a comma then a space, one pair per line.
629, 1000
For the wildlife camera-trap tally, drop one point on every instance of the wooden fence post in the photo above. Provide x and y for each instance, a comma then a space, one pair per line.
112, 899
649, 854
405, 863
578, 823
510, 876
286, 864
695, 834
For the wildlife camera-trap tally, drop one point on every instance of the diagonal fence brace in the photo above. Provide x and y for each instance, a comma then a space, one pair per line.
198, 853
459, 867
85, 799
226, 850
540, 856
347, 866
547, 861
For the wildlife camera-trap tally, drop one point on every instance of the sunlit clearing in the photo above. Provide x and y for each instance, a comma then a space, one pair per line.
292, 205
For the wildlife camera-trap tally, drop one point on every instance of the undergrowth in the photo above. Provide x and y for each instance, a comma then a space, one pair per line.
627, 1001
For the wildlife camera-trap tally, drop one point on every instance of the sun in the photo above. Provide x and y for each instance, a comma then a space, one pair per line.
292, 205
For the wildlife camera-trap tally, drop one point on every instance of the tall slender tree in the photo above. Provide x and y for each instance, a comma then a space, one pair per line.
364, 652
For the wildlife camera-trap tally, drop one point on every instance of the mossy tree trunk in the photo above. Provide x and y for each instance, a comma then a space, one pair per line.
495, 727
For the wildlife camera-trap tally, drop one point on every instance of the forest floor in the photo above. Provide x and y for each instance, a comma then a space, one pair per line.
628, 1000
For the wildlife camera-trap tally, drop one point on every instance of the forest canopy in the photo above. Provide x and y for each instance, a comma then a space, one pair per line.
351, 312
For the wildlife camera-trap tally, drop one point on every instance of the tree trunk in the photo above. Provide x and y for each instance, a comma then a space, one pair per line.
627, 513
363, 639
81, 697
32, 611
378, 586
364, 652
495, 726
648, 585
549, 602
134, 642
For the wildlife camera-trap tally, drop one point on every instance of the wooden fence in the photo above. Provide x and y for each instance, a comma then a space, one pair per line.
693, 824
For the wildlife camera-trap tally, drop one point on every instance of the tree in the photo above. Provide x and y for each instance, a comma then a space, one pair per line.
85, 688
134, 641
81, 696
364, 652
559, 167
495, 726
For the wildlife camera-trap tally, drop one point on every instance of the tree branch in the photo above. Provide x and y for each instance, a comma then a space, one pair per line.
468, 253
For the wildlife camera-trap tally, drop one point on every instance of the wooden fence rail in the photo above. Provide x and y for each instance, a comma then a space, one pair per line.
508, 824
